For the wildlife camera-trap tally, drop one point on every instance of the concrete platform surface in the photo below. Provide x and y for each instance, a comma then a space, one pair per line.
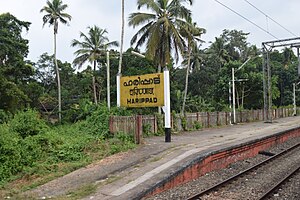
130, 175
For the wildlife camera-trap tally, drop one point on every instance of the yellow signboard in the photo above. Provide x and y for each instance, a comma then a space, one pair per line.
142, 91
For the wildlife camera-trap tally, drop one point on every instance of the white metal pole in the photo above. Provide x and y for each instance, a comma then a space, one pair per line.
167, 106
229, 84
294, 98
298, 54
233, 96
108, 80
118, 90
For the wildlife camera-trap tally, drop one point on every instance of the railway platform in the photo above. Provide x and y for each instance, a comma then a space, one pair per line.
156, 165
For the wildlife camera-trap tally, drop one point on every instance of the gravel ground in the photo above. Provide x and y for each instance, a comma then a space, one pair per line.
193, 187
290, 191
257, 182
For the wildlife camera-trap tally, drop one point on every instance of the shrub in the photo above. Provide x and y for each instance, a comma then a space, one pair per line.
4, 117
147, 130
184, 123
160, 125
197, 125
121, 142
98, 122
10, 153
27, 123
28, 146
72, 147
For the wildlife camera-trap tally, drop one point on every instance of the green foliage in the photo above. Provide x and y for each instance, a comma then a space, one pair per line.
147, 130
4, 116
10, 153
14, 71
160, 27
160, 124
81, 111
28, 146
175, 117
184, 123
97, 122
197, 125
121, 142
27, 123
198, 104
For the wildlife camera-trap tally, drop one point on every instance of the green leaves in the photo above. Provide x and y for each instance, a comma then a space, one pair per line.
160, 28
14, 71
27, 124
55, 12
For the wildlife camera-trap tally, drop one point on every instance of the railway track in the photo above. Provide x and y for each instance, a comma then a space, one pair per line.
269, 161
273, 189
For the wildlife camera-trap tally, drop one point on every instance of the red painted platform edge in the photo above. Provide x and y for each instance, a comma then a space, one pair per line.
218, 159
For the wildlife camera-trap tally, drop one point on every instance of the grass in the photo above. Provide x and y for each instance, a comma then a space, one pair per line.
42, 173
74, 195
84, 191
28, 182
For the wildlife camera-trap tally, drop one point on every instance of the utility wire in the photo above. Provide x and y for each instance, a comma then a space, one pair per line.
246, 19
270, 18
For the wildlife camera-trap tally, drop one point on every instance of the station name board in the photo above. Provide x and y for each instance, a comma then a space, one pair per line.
142, 91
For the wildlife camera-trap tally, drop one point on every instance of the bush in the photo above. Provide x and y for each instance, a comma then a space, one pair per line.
197, 125
28, 146
10, 153
121, 142
98, 122
27, 123
72, 147
184, 123
4, 117
41, 147
147, 130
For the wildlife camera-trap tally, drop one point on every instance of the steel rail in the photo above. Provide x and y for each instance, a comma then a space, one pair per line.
279, 183
218, 185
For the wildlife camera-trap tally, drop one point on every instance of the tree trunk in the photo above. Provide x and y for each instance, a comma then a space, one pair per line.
186, 81
243, 96
237, 98
159, 107
94, 84
122, 39
58, 80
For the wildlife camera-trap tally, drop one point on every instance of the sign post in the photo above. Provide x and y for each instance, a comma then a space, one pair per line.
142, 91
149, 90
167, 106
118, 90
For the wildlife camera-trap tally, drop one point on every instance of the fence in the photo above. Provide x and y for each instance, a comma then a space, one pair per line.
142, 124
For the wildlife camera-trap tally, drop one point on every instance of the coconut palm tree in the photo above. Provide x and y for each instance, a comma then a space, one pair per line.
92, 47
160, 30
196, 59
218, 48
192, 34
55, 13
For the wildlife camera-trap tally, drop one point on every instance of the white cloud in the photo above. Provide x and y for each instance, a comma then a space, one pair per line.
107, 14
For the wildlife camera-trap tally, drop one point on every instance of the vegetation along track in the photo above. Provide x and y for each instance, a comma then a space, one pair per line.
264, 174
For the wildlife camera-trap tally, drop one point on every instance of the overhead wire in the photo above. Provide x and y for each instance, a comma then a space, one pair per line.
245, 18
270, 18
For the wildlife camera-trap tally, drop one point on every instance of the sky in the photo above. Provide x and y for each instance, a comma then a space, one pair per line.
107, 15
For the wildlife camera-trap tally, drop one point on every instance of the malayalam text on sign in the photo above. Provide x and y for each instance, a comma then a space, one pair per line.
143, 90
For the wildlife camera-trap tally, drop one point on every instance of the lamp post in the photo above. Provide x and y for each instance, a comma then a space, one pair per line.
294, 98
108, 79
138, 54
233, 88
